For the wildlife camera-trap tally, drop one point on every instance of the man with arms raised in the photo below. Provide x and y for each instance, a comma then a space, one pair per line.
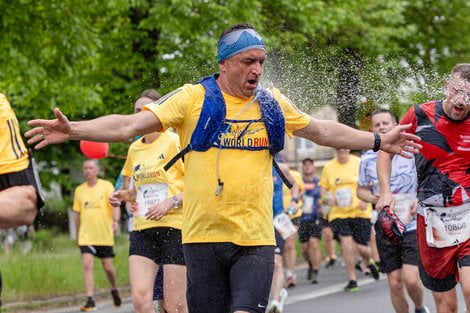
234, 127
443, 168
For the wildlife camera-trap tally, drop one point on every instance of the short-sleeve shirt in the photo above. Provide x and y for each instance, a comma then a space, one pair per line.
341, 181
242, 213
145, 163
403, 179
444, 161
96, 214
13, 153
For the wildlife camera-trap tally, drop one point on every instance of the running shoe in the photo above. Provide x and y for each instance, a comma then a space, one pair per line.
424, 309
290, 281
283, 297
89, 306
374, 269
116, 298
314, 277
309, 273
330, 263
351, 286
275, 307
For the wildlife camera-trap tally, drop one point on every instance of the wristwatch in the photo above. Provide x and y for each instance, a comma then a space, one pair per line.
176, 202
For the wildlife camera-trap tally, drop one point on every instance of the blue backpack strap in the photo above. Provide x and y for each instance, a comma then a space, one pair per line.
274, 121
211, 118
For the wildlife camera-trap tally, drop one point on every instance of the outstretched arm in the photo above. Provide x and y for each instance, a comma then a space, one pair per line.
337, 135
109, 128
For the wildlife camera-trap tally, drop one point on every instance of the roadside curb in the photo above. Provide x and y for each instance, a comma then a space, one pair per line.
56, 302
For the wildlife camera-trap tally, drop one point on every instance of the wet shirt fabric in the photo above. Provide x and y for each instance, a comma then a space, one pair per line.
311, 199
443, 165
96, 214
341, 181
242, 213
144, 164
13, 153
403, 179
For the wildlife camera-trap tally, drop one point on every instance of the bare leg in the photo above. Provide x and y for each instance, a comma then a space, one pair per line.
373, 246
397, 291
110, 271
17, 206
349, 251
174, 288
465, 282
327, 235
446, 302
142, 277
278, 278
87, 265
289, 253
410, 274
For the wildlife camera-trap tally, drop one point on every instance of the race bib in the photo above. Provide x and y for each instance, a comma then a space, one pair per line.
307, 206
403, 205
284, 226
448, 226
149, 195
343, 197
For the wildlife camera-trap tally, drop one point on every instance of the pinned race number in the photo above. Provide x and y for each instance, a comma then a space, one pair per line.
447, 226
307, 206
149, 195
343, 197
284, 226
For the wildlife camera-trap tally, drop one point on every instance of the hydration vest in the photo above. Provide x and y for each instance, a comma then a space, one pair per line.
213, 125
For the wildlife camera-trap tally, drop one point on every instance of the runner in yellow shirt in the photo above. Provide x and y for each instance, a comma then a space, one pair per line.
349, 220
228, 232
20, 189
96, 220
157, 220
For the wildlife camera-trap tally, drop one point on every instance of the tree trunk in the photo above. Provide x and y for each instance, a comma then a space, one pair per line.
347, 89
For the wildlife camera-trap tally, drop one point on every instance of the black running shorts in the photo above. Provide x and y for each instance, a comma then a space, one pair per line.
25, 177
101, 252
358, 228
159, 244
224, 277
310, 229
392, 257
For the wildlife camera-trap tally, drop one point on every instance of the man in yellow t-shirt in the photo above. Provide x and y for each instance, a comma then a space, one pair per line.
349, 218
96, 221
228, 232
20, 189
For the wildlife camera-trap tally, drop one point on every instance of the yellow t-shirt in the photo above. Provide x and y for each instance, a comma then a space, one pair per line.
96, 214
341, 181
13, 153
145, 164
286, 194
242, 213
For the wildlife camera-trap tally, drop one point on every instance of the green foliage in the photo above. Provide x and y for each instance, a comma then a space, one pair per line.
54, 267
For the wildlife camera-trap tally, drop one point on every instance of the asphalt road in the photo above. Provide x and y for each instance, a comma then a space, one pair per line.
326, 297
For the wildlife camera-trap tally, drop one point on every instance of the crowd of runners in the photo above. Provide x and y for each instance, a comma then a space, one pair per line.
211, 214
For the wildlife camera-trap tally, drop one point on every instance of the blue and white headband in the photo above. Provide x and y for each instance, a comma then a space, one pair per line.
237, 42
